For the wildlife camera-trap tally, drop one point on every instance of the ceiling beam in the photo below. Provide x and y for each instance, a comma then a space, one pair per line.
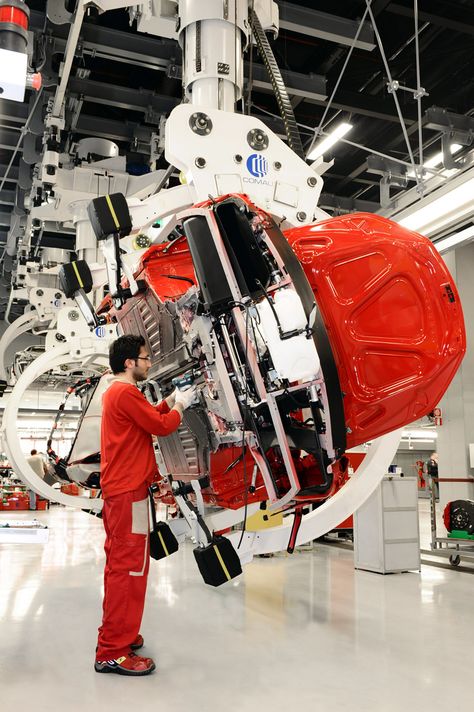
9, 139
307, 86
466, 27
301, 20
167, 54
347, 205
305, 21
139, 48
112, 130
368, 105
7, 197
14, 111
123, 97
152, 104
5, 218
379, 6
12, 173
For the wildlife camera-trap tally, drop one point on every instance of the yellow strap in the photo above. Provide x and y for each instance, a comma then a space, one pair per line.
163, 543
81, 283
112, 211
221, 561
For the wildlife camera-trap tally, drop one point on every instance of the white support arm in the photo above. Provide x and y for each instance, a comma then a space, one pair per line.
24, 323
52, 358
334, 510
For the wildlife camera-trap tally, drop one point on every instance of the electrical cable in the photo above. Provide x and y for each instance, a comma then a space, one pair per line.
78, 389
250, 82
247, 307
418, 87
341, 74
394, 92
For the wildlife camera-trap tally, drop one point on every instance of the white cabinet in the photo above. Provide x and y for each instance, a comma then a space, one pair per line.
386, 528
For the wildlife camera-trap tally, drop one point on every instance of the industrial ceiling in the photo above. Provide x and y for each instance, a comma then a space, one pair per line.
124, 83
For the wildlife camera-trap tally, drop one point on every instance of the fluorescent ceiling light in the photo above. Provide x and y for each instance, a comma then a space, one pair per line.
416, 441
447, 243
438, 157
420, 433
453, 205
321, 147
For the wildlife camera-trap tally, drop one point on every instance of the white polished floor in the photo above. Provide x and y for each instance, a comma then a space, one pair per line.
301, 630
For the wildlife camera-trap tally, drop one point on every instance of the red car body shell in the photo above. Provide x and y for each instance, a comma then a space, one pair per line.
393, 318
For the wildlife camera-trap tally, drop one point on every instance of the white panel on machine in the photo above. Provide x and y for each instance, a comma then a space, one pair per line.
13, 68
295, 358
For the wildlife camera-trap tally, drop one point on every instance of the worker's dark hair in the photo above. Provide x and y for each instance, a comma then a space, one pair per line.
123, 348
33, 452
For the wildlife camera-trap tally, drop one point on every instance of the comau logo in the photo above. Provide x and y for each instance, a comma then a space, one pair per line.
100, 331
257, 165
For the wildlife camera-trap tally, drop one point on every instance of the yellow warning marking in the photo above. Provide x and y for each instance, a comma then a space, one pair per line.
163, 543
221, 561
81, 283
112, 211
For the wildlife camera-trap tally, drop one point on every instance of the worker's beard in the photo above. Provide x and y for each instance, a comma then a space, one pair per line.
139, 376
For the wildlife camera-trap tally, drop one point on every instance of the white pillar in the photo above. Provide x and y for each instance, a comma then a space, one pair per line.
214, 34
457, 406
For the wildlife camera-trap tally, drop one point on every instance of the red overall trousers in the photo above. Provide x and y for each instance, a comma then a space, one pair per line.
125, 518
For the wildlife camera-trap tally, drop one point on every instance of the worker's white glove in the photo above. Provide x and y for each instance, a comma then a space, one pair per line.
185, 398
171, 399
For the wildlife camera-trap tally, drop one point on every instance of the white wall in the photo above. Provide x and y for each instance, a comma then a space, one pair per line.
457, 406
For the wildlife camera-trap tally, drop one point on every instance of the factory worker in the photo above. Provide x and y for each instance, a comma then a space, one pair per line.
128, 467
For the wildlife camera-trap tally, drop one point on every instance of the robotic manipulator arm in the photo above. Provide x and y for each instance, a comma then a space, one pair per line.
278, 317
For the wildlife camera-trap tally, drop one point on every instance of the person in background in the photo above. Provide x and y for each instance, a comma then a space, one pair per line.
128, 467
38, 465
432, 471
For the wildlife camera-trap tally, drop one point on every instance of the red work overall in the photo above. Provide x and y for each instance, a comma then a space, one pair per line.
128, 466
125, 577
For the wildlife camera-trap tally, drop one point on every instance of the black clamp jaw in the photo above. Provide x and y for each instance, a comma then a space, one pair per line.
75, 279
110, 219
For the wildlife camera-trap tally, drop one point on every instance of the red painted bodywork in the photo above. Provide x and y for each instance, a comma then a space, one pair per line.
394, 322
393, 315
447, 517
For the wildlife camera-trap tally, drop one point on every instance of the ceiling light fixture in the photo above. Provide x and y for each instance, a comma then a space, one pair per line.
436, 160
321, 147
427, 432
438, 157
459, 238
439, 212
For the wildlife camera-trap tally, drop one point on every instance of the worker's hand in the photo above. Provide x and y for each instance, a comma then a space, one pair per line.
185, 398
171, 399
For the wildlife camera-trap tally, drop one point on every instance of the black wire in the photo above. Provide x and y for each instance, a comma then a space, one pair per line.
265, 294
244, 424
250, 81
176, 276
